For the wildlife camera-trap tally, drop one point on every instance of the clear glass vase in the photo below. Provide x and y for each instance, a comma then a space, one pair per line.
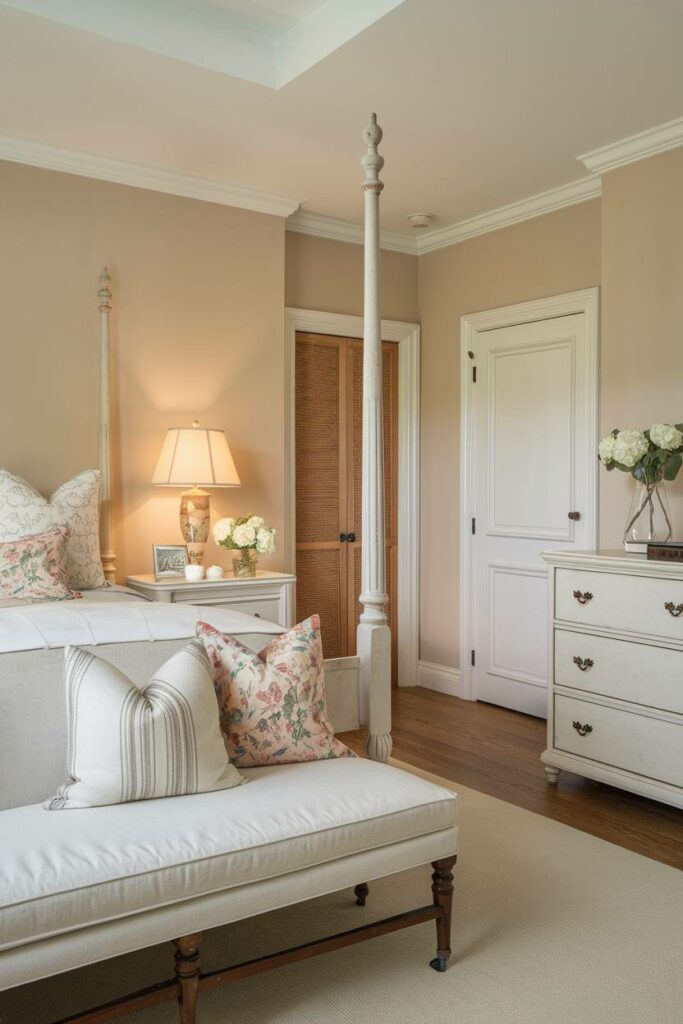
649, 517
244, 566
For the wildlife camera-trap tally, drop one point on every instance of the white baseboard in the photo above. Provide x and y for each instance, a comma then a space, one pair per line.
439, 677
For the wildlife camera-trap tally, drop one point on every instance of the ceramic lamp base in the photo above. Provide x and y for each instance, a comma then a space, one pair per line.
195, 519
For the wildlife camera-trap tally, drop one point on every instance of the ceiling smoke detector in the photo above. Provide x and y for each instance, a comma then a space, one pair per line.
420, 220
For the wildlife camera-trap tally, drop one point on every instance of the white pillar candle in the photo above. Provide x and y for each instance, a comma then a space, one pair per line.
194, 573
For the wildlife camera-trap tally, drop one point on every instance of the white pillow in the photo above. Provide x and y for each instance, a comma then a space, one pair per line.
24, 512
130, 744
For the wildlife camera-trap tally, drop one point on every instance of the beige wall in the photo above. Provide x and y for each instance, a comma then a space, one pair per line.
197, 328
198, 331
642, 316
559, 252
327, 276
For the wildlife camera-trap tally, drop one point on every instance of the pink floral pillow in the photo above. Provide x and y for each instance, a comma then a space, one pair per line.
272, 704
32, 568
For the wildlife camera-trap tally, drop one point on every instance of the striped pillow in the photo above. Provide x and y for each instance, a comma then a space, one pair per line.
130, 744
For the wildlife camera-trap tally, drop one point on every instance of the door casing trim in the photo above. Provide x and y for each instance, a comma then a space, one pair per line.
472, 325
407, 336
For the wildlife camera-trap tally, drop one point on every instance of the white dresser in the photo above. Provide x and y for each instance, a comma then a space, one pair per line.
615, 681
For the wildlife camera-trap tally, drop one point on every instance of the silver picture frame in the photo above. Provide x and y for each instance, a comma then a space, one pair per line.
169, 561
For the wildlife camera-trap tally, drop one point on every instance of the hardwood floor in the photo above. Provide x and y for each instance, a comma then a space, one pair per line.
496, 751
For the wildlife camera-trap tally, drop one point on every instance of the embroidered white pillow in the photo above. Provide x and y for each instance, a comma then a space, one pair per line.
126, 744
24, 512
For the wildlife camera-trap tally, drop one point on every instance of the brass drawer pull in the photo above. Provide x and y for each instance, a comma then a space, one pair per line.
583, 598
674, 609
583, 663
582, 730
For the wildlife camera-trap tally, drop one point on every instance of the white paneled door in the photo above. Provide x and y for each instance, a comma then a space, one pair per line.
533, 472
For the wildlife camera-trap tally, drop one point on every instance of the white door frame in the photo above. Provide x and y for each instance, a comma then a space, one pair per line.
408, 338
586, 301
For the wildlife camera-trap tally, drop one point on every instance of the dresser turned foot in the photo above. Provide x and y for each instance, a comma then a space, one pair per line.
552, 774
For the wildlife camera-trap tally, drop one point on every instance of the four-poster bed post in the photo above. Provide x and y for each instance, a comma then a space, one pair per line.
373, 634
106, 541
373, 643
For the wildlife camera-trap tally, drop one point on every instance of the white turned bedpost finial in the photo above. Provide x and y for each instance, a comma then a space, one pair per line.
107, 555
373, 637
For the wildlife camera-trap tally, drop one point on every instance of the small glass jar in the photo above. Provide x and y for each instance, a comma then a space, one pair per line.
244, 566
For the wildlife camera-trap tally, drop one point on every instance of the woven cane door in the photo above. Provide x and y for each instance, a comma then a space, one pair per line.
321, 558
329, 397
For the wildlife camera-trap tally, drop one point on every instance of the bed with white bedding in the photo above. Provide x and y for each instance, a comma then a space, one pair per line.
135, 635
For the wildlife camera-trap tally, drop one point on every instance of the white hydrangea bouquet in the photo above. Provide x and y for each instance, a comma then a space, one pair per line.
650, 456
250, 536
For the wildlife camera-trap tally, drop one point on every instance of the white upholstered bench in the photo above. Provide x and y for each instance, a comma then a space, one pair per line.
83, 885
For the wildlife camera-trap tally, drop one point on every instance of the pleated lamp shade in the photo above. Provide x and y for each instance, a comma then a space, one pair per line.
195, 457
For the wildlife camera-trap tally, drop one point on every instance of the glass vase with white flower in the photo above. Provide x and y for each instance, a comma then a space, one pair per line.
651, 457
248, 535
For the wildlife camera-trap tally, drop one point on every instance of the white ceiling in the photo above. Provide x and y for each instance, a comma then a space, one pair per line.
483, 102
268, 42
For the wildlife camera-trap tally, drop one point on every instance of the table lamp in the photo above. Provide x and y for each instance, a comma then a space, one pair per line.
195, 457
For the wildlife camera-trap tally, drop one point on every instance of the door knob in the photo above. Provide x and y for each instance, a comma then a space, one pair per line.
351, 537
574, 516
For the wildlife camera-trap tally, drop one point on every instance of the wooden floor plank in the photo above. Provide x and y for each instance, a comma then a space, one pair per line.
497, 751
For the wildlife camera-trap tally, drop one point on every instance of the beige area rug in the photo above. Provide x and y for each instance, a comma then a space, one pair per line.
551, 926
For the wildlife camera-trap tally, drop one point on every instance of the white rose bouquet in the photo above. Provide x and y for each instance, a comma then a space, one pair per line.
244, 533
648, 455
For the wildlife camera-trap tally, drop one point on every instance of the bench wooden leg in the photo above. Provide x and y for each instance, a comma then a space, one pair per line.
187, 973
361, 893
442, 891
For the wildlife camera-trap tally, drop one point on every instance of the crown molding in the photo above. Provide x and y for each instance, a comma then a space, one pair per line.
39, 154
305, 223
545, 202
87, 165
635, 147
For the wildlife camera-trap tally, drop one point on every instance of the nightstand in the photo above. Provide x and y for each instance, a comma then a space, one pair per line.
269, 595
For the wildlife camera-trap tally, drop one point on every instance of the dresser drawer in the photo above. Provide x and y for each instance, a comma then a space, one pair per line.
635, 672
626, 603
262, 608
267, 608
647, 746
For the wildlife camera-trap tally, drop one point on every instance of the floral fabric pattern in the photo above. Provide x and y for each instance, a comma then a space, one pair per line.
32, 569
272, 704
75, 505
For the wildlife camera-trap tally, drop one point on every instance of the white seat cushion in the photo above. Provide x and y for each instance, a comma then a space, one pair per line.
65, 871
